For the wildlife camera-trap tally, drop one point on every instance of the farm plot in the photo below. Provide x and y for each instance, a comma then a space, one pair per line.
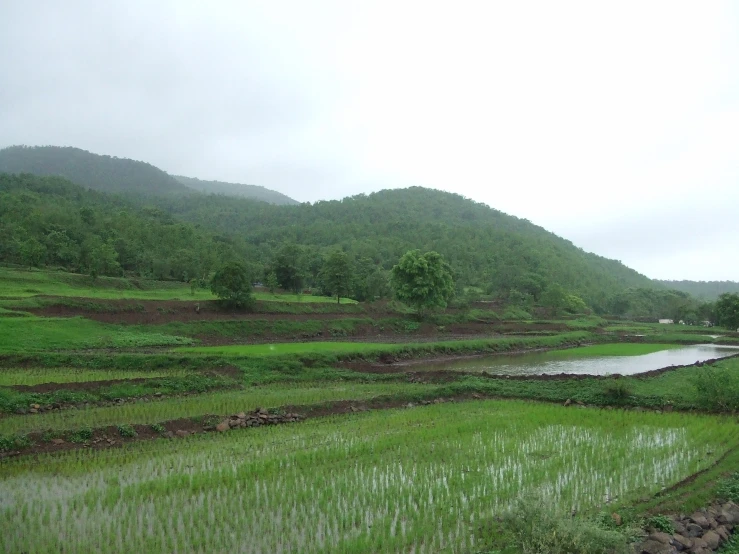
417, 480
270, 396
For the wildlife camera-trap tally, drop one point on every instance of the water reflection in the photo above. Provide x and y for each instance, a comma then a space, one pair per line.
553, 363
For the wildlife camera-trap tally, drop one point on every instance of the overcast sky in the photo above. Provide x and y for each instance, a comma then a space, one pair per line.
613, 124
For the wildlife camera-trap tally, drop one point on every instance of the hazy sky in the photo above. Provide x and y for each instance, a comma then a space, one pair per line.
615, 125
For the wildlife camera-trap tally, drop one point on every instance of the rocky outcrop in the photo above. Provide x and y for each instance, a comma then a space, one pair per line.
702, 532
257, 418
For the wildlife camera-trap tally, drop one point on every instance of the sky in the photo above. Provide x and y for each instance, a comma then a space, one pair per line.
612, 124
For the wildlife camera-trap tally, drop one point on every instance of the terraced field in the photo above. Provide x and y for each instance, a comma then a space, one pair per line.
122, 436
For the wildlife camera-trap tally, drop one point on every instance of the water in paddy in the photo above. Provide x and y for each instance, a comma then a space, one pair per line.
558, 362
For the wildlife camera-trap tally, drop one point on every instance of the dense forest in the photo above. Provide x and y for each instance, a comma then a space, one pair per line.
238, 190
49, 220
487, 249
705, 290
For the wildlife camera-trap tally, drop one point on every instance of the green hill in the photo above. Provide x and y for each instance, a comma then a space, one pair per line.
103, 173
705, 290
171, 231
120, 175
254, 192
487, 248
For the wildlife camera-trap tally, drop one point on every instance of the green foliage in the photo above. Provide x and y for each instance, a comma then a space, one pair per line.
728, 488
32, 252
717, 388
232, 285
336, 275
81, 435
14, 442
660, 523
727, 311
423, 281
236, 189
271, 282
289, 267
158, 428
654, 304
617, 392
127, 431
537, 526
704, 290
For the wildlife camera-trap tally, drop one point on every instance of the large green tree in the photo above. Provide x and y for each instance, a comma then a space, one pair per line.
336, 274
232, 285
727, 310
289, 267
423, 281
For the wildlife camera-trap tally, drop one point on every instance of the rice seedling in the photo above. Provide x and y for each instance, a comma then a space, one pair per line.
36, 376
210, 403
397, 481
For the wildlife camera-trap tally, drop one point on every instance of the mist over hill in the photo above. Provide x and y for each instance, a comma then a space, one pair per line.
254, 192
705, 290
494, 252
120, 175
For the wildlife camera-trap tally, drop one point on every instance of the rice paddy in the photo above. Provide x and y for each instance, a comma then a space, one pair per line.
399, 481
121, 445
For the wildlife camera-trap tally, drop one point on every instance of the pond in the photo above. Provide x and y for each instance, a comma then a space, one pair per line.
558, 361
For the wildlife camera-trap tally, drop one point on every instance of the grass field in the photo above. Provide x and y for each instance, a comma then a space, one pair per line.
36, 376
621, 349
404, 480
30, 334
368, 348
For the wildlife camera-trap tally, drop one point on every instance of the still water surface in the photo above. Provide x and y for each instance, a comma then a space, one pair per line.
553, 363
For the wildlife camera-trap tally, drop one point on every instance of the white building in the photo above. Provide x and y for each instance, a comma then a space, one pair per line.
666, 321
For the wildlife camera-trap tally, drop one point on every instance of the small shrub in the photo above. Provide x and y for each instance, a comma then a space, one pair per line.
728, 489
14, 442
661, 523
157, 428
717, 389
80, 435
533, 526
616, 391
127, 431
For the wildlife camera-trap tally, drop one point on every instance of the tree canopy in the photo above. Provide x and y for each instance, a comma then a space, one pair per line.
232, 285
727, 310
423, 281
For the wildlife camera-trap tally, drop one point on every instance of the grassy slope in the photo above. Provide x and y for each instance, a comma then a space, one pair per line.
30, 334
18, 283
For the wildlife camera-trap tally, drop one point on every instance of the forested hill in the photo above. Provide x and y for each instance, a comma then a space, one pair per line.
48, 220
487, 248
120, 175
705, 290
103, 173
236, 189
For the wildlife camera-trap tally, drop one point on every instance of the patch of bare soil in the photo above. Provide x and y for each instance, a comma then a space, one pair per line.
142, 312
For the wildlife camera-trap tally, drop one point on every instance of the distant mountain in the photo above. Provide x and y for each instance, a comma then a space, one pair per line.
93, 171
705, 290
254, 192
121, 175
